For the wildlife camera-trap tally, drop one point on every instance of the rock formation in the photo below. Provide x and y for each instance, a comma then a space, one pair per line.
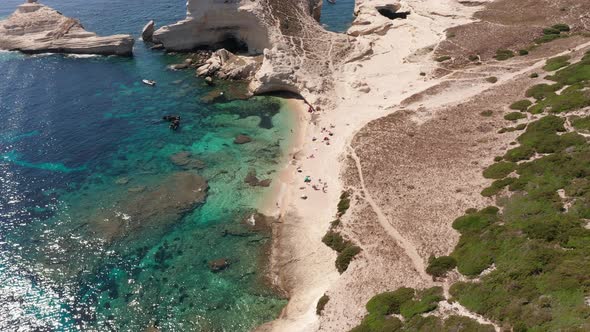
35, 28
294, 52
148, 31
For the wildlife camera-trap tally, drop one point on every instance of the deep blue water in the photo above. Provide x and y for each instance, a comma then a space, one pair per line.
81, 141
339, 16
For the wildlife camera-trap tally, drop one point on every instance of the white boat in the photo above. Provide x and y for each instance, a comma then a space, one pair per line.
332, 1
149, 82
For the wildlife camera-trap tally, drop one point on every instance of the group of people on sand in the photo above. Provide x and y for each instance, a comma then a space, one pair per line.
320, 185
174, 121
326, 138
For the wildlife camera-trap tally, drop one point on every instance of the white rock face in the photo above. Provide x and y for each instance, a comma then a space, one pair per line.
289, 50
35, 28
211, 22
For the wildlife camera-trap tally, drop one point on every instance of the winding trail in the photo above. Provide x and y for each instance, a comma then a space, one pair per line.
406, 245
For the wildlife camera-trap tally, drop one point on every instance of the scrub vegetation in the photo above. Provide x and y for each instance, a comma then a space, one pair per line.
346, 249
535, 250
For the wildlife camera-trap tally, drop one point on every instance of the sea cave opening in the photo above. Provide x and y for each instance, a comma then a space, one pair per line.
391, 12
232, 43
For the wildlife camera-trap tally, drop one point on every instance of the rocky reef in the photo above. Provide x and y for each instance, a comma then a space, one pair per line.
35, 28
280, 44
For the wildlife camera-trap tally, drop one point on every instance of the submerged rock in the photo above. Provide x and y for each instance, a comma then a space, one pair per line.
35, 28
149, 210
242, 139
185, 159
218, 264
253, 180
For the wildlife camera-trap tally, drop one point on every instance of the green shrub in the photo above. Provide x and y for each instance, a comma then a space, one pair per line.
427, 300
542, 91
345, 257
344, 203
335, 241
561, 27
492, 79
473, 58
496, 187
534, 75
514, 116
547, 38
498, 158
519, 153
389, 302
581, 123
523, 52
476, 220
521, 126
321, 304
551, 31
557, 63
439, 266
487, 113
503, 54
499, 170
443, 58
521, 105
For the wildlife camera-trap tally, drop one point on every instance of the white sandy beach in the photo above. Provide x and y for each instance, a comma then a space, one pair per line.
304, 264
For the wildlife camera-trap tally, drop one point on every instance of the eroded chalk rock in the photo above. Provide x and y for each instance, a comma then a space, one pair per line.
35, 28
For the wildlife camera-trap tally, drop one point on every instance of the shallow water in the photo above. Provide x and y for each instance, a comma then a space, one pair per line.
81, 143
337, 17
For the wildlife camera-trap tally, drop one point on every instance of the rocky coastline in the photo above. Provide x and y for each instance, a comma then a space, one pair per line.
36, 28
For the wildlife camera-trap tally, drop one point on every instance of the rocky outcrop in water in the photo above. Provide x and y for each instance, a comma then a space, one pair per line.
35, 28
148, 31
294, 52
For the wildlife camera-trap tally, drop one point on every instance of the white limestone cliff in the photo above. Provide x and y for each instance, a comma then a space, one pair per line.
298, 54
35, 28
212, 22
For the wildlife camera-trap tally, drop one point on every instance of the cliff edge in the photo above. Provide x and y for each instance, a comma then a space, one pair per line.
35, 28
298, 55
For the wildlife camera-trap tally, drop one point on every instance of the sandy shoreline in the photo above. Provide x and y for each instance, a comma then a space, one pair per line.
301, 264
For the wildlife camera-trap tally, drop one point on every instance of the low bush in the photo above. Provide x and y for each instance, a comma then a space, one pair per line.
547, 38
321, 304
561, 27
551, 31
439, 266
523, 52
496, 187
487, 113
499, 170
521, 105
534, 75
581, 123
503, 54
335, 241
492, 79
443, 58
557, 63
473, 58
542, 91
519, 153
345, 257
344, 203
514, 116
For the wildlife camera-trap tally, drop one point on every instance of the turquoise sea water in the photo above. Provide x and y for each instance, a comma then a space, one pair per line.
82, 144
337, 17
